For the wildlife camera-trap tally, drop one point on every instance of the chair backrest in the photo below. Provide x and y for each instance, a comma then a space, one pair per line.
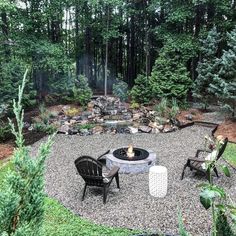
222, 149
90, 170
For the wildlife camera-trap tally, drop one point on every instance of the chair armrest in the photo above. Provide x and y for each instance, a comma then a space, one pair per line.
101, 157
112, 172
201, 150
197, 160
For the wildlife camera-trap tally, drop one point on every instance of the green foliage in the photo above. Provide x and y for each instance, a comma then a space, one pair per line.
59, 221
141, 91
5, 131
167, 109
161, 108
222, 225
215, 197
134, 105
229, 154
224, 82
42, 122
169, 76
182, 230
120, 90
207, 68
81, 92
46, 128
174, 110
22, 198
85, 126
11, 73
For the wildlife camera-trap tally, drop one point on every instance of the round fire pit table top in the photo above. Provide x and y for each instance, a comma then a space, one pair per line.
127, 166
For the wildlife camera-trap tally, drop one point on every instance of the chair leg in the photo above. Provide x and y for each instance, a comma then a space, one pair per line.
117, 180
182, 175
85, 187
216, 172
105, 188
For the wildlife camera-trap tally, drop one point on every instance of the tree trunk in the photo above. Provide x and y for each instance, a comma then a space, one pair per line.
106, 57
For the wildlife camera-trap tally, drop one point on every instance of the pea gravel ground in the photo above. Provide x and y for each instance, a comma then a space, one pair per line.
132, 206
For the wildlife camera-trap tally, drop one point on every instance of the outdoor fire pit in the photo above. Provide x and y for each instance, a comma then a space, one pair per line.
131, 160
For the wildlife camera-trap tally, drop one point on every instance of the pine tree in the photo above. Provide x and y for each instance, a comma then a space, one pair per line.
22, 199
207, 68
169, 77
224, 83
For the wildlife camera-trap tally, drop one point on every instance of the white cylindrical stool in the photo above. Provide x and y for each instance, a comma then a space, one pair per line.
158, 181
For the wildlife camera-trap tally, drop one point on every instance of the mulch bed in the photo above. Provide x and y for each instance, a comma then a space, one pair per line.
227, 129
6, 150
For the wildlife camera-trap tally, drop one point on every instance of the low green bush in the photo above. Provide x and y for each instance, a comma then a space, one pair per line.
46, 128
120, 90
141, 91
5, 131
81, 92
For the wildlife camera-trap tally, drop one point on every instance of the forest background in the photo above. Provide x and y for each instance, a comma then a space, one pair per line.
158, 46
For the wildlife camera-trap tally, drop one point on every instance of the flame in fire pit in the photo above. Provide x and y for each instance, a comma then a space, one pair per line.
130, 151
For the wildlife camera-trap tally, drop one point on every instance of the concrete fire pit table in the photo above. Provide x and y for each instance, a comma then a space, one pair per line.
128, 166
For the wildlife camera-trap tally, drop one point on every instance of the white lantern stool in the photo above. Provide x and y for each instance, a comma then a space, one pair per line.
158, 181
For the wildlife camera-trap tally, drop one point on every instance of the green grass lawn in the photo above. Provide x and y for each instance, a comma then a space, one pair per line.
59, 221
230, 154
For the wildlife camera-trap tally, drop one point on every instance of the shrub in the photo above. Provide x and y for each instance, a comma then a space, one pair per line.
162, 107
174, 110
169, 77
46, 128
120, 90
22, 198
11, 74
167, 109
141, 91
134, 105
5, 131
81, 92
73, 112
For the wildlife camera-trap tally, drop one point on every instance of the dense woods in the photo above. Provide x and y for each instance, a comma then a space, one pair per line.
154, 40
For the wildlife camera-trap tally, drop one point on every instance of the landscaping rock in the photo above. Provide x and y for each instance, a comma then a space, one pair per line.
84, 132
155, 131
97, 129
137, 116
189, 117
63, 129
145, 129
132, 130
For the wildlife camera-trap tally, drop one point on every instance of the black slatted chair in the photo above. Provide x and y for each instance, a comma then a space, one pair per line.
196, 162
92, 171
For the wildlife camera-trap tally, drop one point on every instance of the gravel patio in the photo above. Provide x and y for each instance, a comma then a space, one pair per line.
132, 206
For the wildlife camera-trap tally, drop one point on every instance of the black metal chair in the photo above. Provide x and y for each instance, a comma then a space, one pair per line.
92, 171
196, 162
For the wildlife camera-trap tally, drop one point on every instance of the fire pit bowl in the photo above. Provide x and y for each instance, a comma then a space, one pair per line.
141, 161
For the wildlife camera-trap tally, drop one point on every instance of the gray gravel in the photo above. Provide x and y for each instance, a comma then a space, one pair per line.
132, 206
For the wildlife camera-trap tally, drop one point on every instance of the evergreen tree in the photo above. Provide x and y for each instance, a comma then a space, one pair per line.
207, 67
169, 76
82, 93
22, 199
141, 91
224, 83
